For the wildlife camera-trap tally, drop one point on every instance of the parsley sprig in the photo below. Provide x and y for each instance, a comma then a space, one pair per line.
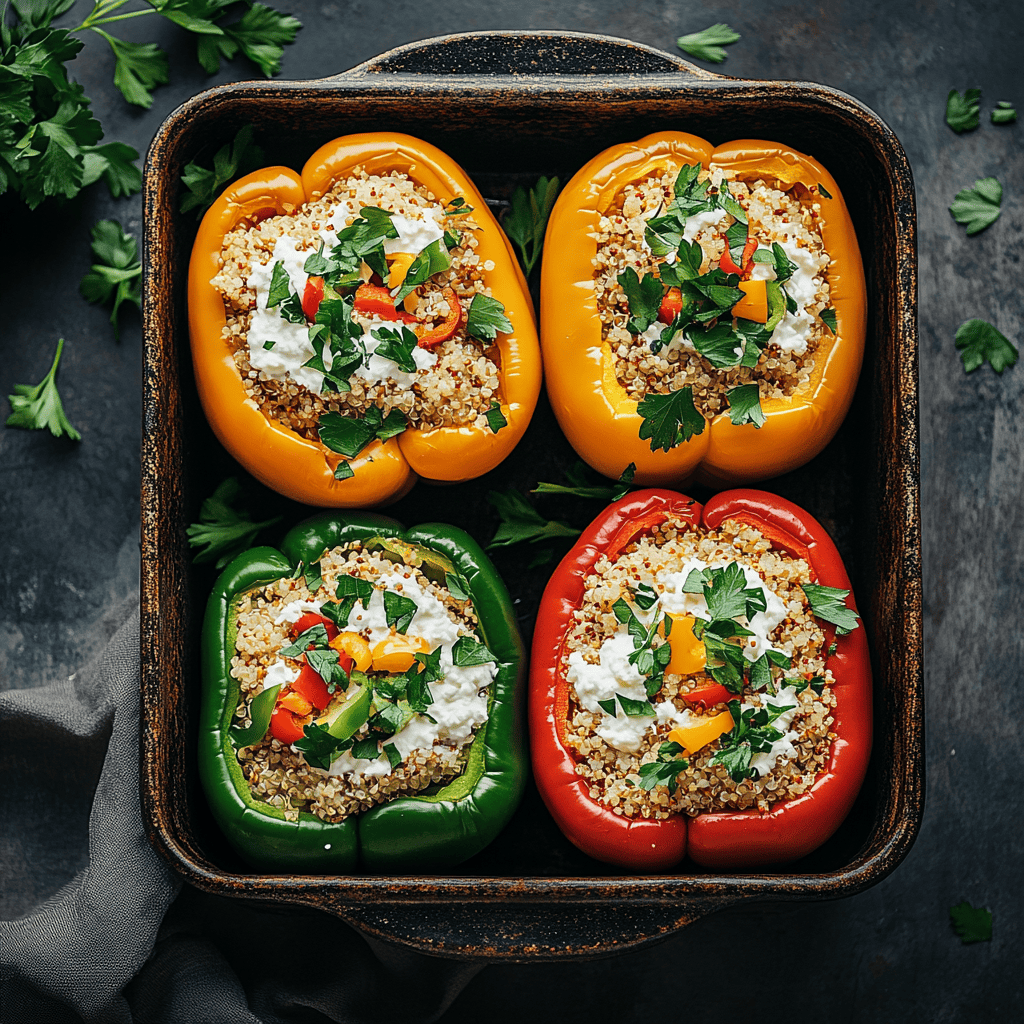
232, 160
527, 217
962, 112
665, 770
224, 530
972, 924
829, 605
980, 342
978, 207
753, 732
38, 407
117, 272
707, 44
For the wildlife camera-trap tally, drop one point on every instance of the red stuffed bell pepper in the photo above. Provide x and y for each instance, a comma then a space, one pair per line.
700, 684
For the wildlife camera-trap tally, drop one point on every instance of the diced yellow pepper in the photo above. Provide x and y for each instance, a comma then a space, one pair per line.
688, 654
754, 304
400, 264
398, 653
694, 737
355, 647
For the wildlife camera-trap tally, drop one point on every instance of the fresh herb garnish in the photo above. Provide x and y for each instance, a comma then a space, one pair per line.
398, 610
707, 44
625, 482
343, 471
398, 345
978, 207
828, 604
230, 162
972, 924
824, 191
828, 318
393, 756
313, 578
666, 770
457, 207
745, 405
366, 749
117, 271
38, 407
648, 659
260, 709
280, 285
326, 664
486, 316
467, 651
224, 530
319, 747
349, 436
752, 733
457, 586
962, 111
644, 296
521, 522
669, 420
347, 591
495, 417
980, 342
315, 637
645, 596
1004, 113
579, 485
634, 708
432, 260
526, 218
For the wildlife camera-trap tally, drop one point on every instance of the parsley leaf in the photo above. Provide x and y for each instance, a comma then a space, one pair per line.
824, 191
752, 733
39, 407
979, 341
138, 69
230, 162
432, 260
398, 610
644, 298
486, 316
827, 604
579, 485
495, 417
224, 530
745, 405
347, 591
707, 44
962, 111
348, 436
1004, 113
526, 218
114, 162
978, 207
117, 273
665, 771
521, 522
828, 318
398, 345
261, 34
343, 471
318, 746
669, 420
972, 924
625, 482
467, 651
457, 586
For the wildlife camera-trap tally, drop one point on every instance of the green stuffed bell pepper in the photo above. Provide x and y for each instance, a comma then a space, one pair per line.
362, 696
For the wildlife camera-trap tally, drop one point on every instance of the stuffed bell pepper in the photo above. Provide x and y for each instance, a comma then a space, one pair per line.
700, 684
362, 324
703, 310
361, 699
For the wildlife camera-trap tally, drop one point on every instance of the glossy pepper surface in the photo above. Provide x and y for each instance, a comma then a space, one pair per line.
430, 831
594, 410
383, 471
720, 840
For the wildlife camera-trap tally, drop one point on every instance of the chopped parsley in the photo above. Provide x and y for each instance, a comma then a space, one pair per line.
824, 191
962, 111
828, 604
707, 44
980, 342
495, 417
432, 260
230, 162
753, 732
467, 651
343, 471
972, 924
224, 530
398, 345
666, 770
644, 296
669, 420
486, 316
319, 747
1004, 113
349, 436
978, 207
38, 406
745, 405
527, 217
347, 591
117, 271
399, 610
828, 318
457, 586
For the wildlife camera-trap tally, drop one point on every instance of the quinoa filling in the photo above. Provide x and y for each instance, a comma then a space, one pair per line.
377, 680
697, 678
747, 300
394, 330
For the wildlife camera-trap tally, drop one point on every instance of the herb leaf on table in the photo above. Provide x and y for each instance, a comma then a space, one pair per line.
978, 207
224, 530
1004, 113
962, 112
980, 342
707, 44
527, 217
972, 924
117, 271
39, 407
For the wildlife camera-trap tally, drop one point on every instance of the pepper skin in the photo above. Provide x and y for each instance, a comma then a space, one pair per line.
721, 841
593, 409
384, 471
421, 833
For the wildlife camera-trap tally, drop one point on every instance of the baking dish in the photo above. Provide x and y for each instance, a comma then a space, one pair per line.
509, 107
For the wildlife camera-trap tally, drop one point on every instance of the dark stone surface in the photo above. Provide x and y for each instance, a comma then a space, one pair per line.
69, 513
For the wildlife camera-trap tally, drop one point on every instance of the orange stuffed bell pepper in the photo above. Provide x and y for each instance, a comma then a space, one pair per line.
362, 324
700, 685
703, 310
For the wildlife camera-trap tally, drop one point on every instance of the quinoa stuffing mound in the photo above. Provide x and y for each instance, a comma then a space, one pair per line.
370, 704
635, 652
363, 300
706, 283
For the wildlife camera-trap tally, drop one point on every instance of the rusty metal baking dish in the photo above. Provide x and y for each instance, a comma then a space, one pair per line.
509, 107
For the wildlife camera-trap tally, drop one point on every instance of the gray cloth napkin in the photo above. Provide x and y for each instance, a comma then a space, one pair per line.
100, 948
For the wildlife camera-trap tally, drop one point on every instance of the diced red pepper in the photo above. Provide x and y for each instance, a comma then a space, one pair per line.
450, 324
375, 300
312, 296
310, 619
748, 255
746, 260
708, 696
310, 686
726, 263
671, 306
285, 726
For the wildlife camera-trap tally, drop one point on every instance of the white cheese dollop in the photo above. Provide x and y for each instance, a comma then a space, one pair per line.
698, 222
793, 332
415, 234
291, 613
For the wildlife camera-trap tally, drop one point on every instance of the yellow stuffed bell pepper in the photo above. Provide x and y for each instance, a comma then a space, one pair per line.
702, 310
272, 432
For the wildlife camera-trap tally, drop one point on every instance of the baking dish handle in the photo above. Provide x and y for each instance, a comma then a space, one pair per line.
511, 54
